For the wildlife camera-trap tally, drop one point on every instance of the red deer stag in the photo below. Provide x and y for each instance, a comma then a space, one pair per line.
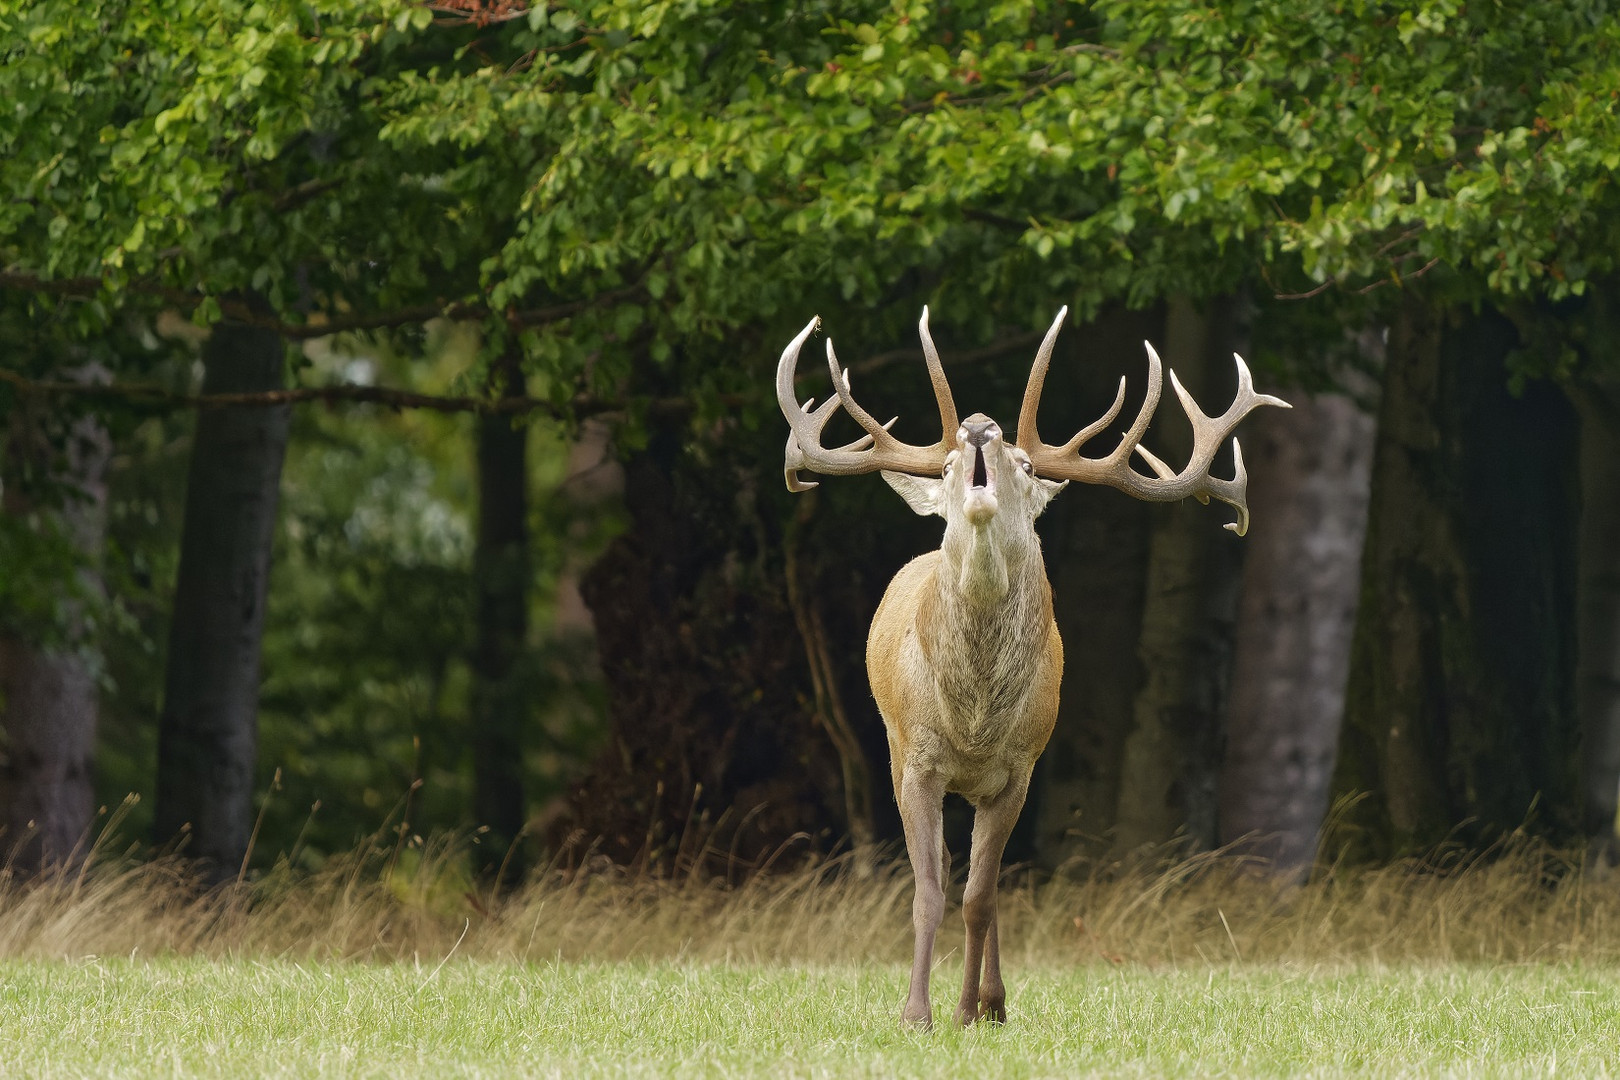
964, 655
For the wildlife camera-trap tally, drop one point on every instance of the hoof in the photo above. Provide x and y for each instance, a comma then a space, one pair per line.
991, 1012
913, 1020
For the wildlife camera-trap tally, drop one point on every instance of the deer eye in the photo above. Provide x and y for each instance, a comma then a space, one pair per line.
1029, 468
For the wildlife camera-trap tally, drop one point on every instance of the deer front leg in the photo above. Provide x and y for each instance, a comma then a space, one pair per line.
993, 822
922, 796
992, 991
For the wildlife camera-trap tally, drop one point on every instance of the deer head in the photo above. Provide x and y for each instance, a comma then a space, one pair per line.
974, 475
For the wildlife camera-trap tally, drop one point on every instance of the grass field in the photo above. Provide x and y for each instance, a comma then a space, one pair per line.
198, 1017
390, 963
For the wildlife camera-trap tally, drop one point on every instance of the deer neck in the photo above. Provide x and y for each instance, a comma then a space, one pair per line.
986, 617
985, 567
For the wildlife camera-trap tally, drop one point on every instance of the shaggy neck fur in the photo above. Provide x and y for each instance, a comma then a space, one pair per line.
987, 618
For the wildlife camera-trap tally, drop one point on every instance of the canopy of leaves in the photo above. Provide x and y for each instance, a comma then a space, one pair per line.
700, 166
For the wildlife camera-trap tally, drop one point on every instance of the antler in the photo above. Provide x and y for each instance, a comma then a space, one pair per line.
875, 450
1065, 463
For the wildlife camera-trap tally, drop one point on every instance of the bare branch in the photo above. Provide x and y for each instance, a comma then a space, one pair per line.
1318, 291
83, 286
581, 405
1424, 269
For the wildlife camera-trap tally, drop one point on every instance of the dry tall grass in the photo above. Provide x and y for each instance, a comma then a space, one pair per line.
1521, 902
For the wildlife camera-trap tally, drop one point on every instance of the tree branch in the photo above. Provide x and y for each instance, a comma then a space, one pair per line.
1318, 291
240, 312
85, 286
577, 407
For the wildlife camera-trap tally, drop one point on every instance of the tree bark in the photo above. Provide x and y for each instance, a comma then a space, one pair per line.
1412, 604
1460, 706
208, 731
1168, 778
1309, 473
1598, 612
500, 704
48, 687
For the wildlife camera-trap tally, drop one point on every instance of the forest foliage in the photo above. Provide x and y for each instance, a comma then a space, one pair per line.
639, 201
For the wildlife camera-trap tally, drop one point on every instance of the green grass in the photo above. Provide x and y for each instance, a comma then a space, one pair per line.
394, 962
200, 1017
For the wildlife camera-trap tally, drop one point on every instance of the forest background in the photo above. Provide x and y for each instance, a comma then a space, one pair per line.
389, 441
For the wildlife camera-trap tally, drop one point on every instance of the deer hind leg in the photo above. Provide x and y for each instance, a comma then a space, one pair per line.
922, 796
993, 822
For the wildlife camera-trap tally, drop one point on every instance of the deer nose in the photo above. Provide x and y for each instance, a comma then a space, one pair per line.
980, 432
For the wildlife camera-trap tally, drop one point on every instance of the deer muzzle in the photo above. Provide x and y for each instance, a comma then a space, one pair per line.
979, 440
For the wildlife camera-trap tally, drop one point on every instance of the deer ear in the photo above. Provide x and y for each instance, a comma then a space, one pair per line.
1045, 491
924, 494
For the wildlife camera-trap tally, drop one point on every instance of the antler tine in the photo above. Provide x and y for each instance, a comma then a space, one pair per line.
1240, 486
936, 375
1166, 485
840, 379
875, 450
792, 462
815, 420
1091, 429
1246, 388
1144, 415
1028, 436
799, 421
793, 455
786, 397
806, 425
1208, 431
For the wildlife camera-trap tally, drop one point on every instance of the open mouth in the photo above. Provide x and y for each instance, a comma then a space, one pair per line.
981, 475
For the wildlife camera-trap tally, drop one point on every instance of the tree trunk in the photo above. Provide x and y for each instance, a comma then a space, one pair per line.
1168, 778
1459, 706
207, 735
500, 705
1309, 472
1096, 544
713, 758
1413, 602
48, 687
1598, 612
